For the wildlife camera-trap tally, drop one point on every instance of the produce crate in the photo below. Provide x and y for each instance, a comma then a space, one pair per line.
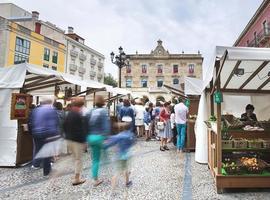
227, 144
266, 144
256, 144
240, 143
236, 170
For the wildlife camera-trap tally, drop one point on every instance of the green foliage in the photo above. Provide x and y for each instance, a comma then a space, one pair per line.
109, 80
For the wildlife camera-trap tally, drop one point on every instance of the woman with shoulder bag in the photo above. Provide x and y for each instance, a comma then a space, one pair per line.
166, 131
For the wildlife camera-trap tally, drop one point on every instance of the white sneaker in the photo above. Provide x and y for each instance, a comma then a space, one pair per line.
33, 167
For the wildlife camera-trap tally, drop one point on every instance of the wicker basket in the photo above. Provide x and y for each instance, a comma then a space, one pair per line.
236, 170
255, 144
266, 144
240, 143
227, 144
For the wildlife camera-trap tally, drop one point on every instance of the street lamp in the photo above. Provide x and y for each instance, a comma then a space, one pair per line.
120, 61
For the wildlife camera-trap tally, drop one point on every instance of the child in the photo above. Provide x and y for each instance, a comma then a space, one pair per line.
123, 140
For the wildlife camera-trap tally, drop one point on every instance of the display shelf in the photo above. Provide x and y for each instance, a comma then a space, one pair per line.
247, 149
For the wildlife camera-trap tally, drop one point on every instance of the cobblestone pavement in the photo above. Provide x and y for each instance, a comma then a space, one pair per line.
155, 175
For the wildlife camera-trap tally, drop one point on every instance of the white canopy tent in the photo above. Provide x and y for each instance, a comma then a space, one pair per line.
254, 85
33, 80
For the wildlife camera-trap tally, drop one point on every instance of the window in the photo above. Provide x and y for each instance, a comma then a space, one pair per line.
55, 57
81, 64
160, 83
54, 68
128, 68
144, 82
22, 50
144, 69
255, 38
128, 83
247, 42
191, 69
46, 54
18, 58
159, 69
175, 68
175, 81
45, 65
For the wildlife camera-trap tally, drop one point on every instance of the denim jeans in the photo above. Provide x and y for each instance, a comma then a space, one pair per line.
181, 135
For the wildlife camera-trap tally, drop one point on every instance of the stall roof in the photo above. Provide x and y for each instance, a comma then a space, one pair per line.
254, 63
32, 78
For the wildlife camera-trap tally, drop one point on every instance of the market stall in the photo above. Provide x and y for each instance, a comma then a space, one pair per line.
238, 148
193, 101
17, 83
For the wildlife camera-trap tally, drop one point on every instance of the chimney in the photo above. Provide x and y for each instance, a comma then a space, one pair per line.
70, 29
35, 15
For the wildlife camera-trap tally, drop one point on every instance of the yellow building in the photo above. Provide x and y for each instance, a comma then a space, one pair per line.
19, 44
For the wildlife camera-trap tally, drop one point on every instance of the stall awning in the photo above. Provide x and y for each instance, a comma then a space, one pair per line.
33, 78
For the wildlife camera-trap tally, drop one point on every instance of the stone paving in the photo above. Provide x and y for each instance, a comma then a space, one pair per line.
155, 175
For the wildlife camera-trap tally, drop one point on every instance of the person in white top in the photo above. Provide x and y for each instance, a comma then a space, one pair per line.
139, 110
181, 112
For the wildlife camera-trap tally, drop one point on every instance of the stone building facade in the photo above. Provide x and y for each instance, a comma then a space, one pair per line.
148, 73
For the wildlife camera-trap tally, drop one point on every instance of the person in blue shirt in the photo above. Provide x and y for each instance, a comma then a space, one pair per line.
44, 127
127, 111
118, 108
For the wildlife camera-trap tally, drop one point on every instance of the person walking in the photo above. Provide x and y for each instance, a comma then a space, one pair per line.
99, 126
118, 108
139, 109
45, 128
166, 133
181, 112
76, 137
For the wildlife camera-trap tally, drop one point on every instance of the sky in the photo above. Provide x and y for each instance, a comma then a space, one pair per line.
136, 25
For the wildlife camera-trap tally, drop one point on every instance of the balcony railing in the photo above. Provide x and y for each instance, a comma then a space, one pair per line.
82, 57
72, 68
74, 53
93, 62
100, 65
82, 70
261, 38
92, 73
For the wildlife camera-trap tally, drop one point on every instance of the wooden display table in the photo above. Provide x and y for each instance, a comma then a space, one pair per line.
190, 136
237, 181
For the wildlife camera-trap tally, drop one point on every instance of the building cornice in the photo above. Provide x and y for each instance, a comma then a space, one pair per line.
169, 57
264, 4
84, 46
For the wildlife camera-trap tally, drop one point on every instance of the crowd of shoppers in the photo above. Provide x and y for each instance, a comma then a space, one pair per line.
48, 122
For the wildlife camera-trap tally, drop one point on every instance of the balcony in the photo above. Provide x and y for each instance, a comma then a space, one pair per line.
93, 62
81, 70
74, 53
72, 68
82, 57
93, 73
100, 76
100, 65
264, 35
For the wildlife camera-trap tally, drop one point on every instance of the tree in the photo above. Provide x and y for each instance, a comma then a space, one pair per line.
109, 80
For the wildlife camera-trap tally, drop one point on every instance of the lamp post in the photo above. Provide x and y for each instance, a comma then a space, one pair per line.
120, 61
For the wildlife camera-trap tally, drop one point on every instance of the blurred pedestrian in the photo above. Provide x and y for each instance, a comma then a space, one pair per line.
123, 140
181, 112
166, 133
139, 110
61, 115
45, 128
99, 127
118, 108
75, 132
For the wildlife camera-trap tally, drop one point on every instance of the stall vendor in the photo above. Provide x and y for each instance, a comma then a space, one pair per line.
249, 115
